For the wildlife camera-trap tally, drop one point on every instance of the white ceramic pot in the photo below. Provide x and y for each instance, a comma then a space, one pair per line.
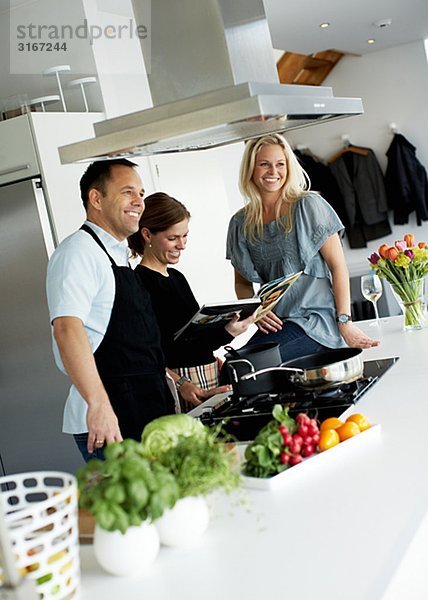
129, 553
183, 524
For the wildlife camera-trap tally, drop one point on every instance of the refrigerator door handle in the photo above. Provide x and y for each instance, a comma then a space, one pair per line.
14, 170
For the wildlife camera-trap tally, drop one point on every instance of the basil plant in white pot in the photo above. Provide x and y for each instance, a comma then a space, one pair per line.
126, 493
200, 462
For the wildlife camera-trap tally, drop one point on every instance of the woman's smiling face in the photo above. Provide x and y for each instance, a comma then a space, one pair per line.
166, 246
270, 169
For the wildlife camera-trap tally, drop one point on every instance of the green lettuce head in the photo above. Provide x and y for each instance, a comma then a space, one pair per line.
164, 433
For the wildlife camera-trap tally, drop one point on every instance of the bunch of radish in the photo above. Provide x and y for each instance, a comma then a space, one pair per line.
300, 444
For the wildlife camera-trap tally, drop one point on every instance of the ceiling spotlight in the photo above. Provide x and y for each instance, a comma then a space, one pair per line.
324, 25
371, 41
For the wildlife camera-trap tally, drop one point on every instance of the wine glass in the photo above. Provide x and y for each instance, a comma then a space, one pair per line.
371, 289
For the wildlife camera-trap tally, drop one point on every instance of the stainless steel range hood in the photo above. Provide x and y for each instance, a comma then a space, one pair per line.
213, 82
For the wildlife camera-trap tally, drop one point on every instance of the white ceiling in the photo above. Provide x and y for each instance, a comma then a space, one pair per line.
294, 24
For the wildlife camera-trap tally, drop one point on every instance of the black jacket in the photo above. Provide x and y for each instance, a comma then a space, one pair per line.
406, 182
361, 183
323, 182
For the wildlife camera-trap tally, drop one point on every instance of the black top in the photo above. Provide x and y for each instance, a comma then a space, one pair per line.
174, 304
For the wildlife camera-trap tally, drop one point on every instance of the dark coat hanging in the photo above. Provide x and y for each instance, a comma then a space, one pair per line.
406, 182
322, 181
361, 183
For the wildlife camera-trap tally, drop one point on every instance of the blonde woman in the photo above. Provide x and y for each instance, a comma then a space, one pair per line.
283, 228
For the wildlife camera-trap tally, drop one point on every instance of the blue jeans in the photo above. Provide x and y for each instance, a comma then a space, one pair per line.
81, 440
293, 341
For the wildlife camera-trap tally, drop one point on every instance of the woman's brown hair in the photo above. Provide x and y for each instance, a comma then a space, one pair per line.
160, 213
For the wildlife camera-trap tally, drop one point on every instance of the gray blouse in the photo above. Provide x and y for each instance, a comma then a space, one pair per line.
309, 302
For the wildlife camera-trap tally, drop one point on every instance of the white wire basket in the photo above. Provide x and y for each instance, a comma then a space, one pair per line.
40, 510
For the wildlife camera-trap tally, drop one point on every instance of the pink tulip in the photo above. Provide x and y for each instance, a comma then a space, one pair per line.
401, 245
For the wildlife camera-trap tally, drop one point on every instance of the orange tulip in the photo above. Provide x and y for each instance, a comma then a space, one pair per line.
392, 253
409, 238
383, 250
422, 245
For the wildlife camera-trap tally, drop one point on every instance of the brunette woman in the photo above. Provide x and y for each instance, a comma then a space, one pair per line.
162, 237
284, 228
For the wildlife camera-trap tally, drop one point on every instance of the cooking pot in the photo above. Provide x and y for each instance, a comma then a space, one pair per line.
321, 370
251, 359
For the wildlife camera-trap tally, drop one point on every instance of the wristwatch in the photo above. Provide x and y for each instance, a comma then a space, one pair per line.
342, 318
179, 382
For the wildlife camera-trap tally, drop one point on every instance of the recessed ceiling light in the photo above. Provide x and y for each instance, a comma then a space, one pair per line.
324, 25
371, 41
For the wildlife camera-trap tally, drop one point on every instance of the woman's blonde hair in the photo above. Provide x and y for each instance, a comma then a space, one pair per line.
296, 184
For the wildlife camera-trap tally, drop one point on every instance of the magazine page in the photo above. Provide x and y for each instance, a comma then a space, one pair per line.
220, 313
271, 293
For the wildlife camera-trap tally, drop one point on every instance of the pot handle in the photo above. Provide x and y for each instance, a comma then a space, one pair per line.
254, 374
232, 352
230, 366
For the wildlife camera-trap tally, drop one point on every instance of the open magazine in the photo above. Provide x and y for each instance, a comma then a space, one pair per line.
217, 313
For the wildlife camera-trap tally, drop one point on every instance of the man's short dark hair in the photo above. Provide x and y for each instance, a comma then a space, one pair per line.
97, 175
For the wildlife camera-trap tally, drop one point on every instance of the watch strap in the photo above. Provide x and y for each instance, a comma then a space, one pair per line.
343, 318
181, 380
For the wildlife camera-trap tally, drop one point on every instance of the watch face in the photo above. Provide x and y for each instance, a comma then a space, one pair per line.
343, 318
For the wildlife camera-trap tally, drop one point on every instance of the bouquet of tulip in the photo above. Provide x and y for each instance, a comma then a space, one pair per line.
404, 266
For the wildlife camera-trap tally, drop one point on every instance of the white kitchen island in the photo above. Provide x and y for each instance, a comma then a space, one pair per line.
339, 529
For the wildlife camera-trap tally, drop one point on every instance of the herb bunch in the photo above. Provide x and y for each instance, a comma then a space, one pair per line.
126, 488
201, 464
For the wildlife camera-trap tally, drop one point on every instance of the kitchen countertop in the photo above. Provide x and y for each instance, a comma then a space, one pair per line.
352, 528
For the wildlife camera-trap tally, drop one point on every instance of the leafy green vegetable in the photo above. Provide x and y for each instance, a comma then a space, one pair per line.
261, 456
201, 464
163, 433
125, 489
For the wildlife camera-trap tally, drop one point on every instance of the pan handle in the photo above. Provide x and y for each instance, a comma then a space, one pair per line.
254, 374
230, 364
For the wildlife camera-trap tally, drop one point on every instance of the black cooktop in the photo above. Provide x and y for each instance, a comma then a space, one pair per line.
243, 417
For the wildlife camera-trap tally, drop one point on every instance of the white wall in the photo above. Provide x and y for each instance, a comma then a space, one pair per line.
61, 182
394, 87
206, 182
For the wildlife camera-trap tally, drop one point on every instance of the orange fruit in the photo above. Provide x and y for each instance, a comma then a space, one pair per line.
362, 421
328, 439
347, 430
331, 423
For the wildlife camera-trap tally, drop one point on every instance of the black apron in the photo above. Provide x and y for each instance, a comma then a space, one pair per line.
129, 359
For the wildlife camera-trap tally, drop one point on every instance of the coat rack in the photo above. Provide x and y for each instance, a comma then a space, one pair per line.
346, 139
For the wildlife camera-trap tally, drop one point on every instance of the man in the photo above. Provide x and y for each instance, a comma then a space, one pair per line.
105, 333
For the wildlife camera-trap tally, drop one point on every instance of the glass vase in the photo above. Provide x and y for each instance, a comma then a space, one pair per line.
410, 297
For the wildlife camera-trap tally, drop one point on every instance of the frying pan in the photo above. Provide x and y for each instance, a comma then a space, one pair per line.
321, 370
